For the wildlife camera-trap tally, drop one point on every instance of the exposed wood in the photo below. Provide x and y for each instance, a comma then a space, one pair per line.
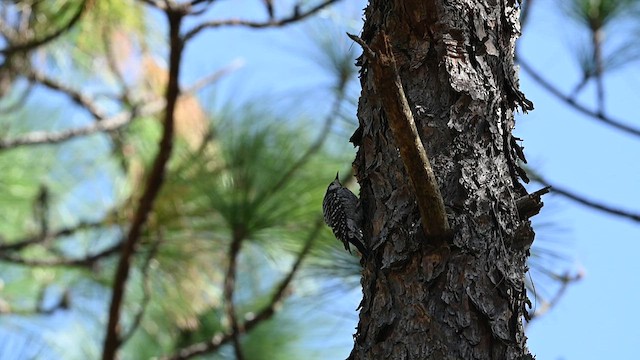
396, 108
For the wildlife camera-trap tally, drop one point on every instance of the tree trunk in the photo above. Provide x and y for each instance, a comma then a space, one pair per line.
462, 298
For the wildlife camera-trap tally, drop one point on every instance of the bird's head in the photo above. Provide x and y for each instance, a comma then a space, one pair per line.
335, 183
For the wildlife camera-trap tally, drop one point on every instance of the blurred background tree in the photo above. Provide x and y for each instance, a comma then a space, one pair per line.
228, 256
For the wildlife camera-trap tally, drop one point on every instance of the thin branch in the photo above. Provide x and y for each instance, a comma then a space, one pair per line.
85, 262
208, 347
597, 35
212, 78
196, 2
414, 157
16, 48
567, 99
112, 64
565, 281
531, 204
229, 287
20, 244
367, 50
155, 181
76, 96
63, 303
125, 95
296, 16
278, 296
590, 203
146, 292
576, 91
155, 3
188, 7
41, 210
109, 124
314, 148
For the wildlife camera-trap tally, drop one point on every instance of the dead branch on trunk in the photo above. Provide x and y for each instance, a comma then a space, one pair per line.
414, 157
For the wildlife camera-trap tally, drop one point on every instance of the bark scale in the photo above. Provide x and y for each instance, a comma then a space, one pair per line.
463, 298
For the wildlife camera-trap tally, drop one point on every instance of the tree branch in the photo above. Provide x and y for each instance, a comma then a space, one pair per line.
110, 124
85, 262
266, 313
63, 303
146, 292
590, 203
76, 96
196, 2
596, 38
154, 182
112, 64
313, 148
296, 16
414, 157
15, 48
531, 204
155, 3
28, 241
571, 102
229, 287
212, 78
565, 281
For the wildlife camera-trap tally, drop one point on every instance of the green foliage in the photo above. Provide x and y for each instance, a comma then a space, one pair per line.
112, 28
18, 190
124, 15
333, 52
597, 14
254, 179
247, 180
608, 44
275, 339
46, 16
22, 172
239, 183
330, 263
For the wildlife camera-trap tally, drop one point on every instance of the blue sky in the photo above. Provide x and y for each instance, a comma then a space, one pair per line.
596, 317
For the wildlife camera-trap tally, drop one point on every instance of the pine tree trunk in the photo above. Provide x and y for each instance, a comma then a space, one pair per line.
462, 298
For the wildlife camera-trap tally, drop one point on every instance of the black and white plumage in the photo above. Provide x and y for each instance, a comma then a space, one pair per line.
343, 214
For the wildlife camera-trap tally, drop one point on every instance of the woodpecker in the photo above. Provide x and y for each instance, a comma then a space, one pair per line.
343, 214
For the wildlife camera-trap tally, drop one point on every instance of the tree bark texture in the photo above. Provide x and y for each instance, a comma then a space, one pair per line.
463, 298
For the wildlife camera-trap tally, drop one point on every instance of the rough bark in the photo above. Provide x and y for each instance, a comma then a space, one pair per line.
463, 298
